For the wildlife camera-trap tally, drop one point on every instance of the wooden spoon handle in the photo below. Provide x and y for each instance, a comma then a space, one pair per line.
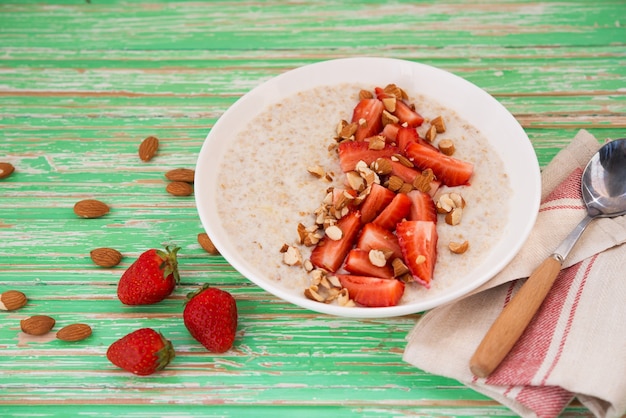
514, 319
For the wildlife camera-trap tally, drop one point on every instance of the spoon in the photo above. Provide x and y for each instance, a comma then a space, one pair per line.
603, 187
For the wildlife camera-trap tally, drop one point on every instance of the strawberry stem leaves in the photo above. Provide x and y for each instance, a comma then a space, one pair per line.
166, 354
170, 262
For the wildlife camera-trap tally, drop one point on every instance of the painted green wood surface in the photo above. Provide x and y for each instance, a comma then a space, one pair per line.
82, 83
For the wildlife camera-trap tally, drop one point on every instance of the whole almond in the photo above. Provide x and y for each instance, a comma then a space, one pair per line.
12, 300
6, 169
148, 148
74, 332
37, 324
179, 188
181, 174
106, 257
206, 243
91, 208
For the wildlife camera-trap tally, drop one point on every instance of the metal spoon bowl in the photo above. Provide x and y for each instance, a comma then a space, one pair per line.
603, 187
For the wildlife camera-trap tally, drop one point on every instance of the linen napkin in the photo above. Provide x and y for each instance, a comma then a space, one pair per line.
576, 344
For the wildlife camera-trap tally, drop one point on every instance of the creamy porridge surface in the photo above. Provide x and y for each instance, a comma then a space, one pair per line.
266, 189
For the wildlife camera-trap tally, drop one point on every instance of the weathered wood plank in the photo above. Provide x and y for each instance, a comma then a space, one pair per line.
82, 83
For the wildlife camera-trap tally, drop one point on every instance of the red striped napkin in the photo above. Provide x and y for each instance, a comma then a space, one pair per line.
575, 347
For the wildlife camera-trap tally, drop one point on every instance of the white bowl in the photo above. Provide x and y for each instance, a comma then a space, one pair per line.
471, 103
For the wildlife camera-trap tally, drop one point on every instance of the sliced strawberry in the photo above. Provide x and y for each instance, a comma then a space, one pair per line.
329, 254
390, 132
422, 207
395, 211
381, 94
367, 114
408, 136
403, 112
407, 115
408, 174
351, 152
372, 291
358, 262
378, 198
418, 240
449, 170
374, 237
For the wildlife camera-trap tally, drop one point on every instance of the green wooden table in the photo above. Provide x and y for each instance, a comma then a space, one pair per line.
82, 83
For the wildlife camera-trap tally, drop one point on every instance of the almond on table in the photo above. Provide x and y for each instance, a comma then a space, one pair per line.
11, 300
6, 169
74, 332
206, 244
179, 188
37, 324
181, 174
148, 148
91, 208
105, 257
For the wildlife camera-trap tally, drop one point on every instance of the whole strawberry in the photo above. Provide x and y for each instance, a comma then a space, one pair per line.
141, 352
210, 315
150, 279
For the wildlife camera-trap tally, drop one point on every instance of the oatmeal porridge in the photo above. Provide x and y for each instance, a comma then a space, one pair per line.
266, 189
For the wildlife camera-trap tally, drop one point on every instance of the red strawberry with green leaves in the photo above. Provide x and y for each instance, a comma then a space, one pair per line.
372, 291
150, 279
210, 316
141, 352
449, 170
418, 240
367, 115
